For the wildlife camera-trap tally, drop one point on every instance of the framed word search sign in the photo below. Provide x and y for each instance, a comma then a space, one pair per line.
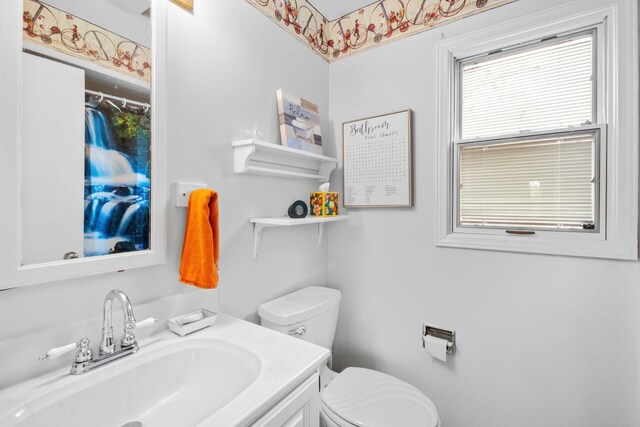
377, 158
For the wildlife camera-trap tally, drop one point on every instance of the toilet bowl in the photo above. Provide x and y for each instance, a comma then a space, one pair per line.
362, 397
356, 396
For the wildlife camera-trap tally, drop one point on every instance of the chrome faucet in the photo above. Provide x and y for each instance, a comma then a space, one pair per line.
84, 360
108, 345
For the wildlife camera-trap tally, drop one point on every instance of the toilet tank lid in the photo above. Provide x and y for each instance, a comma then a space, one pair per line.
300, 305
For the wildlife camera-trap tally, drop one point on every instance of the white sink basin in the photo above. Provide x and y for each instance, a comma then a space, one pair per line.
226, 375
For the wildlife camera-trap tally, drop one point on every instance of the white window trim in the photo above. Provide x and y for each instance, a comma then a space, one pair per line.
618, 236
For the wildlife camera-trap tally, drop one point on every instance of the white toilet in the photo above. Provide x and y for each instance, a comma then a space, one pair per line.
356, 397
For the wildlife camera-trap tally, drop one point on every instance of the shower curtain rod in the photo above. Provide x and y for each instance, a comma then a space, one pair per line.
124, 101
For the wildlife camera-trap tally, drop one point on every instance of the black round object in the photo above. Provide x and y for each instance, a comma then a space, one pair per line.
298, 209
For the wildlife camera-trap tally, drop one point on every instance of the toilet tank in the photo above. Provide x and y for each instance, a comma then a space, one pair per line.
313, 309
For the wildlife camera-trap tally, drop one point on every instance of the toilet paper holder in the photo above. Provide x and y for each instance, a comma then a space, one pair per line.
438, 332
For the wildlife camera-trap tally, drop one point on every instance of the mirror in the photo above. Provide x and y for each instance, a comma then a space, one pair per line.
90, 150
86, 128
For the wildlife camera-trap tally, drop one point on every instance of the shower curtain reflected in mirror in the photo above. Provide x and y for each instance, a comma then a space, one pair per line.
117, 178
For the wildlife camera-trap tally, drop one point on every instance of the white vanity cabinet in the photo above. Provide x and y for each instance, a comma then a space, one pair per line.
300, 408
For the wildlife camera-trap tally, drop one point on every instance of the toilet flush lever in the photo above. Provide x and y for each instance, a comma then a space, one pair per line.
299, 331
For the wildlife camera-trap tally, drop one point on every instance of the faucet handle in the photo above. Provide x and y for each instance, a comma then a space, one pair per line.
129, 338
56, 352
84, 354
146, 323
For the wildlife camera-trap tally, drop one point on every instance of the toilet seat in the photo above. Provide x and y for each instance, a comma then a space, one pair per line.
330, 419
365, 398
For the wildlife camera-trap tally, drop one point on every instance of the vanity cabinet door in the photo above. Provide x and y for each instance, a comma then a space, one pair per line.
301, 408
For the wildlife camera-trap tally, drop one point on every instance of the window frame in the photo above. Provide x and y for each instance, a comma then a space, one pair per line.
615, 115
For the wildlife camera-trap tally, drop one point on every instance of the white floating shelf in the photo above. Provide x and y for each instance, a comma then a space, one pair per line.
252, 156
259, 224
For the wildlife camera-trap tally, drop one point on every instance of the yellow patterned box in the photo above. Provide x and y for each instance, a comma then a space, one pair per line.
324, 204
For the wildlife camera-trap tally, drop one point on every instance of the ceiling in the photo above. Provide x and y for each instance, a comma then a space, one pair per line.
332, 9
134, 7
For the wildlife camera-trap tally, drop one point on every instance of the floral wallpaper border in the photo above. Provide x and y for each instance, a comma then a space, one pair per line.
379, 23
46, 26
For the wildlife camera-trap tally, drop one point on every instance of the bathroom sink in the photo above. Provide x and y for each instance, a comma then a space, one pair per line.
180, 386
226, 375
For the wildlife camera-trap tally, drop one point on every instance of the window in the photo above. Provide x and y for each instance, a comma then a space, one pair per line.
542, 182
528, 154
538, 134
541, 86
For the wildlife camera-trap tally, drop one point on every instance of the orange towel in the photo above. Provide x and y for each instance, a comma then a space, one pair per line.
200, 250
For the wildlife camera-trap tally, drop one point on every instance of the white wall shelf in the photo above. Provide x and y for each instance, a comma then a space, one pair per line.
259, 224
252, 156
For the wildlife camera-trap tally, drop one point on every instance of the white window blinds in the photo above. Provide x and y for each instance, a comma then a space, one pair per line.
550, 86
539, 183
529, 152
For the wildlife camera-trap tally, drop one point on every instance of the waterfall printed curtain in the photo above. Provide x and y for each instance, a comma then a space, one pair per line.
117, 179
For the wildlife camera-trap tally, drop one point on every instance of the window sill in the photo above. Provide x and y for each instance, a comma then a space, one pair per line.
577, 246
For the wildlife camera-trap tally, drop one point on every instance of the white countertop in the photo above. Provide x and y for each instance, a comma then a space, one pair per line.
285, 362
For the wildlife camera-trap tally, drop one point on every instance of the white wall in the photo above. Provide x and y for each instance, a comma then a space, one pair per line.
224, 75
223, 78
542, 340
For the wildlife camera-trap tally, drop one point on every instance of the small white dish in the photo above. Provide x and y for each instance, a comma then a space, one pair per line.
191, 322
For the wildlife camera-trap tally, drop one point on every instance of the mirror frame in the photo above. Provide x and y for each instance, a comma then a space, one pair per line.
12, 273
